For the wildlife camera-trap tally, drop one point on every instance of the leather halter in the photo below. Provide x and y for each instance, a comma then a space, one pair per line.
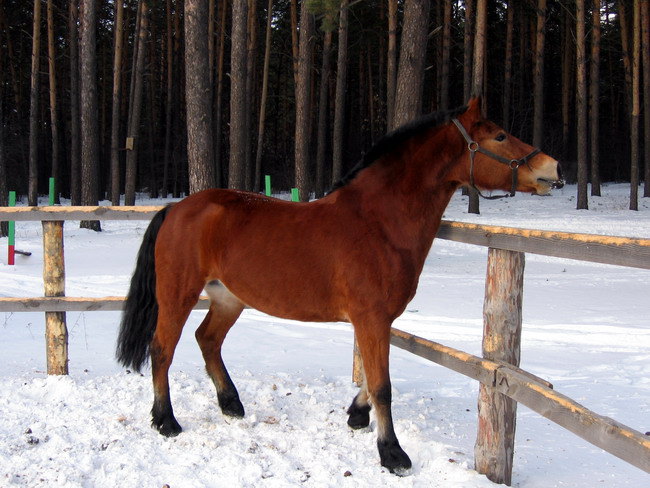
513, 164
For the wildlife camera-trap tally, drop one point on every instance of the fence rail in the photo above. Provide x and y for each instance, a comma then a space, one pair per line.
501, 380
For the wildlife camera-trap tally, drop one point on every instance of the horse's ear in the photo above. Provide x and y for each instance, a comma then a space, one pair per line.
474, 108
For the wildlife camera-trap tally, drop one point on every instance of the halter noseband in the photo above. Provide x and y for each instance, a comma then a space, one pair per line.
513, 164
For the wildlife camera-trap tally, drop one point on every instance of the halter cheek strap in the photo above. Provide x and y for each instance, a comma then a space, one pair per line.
513, 164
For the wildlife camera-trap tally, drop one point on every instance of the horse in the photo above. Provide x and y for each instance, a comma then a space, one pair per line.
354, 256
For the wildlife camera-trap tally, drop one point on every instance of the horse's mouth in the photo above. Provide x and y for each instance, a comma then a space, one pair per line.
550, 184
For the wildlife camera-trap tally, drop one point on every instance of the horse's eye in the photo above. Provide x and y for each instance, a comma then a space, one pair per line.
501, 137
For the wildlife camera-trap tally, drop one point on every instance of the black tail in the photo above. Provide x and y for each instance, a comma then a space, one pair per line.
141, 308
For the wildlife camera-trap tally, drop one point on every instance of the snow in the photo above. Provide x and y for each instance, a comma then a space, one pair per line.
586, 330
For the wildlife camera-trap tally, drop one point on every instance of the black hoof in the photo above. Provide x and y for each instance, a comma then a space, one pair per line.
167, 426
359, 417
393, 457
231, 405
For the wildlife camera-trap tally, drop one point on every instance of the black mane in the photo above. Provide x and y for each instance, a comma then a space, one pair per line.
394, 139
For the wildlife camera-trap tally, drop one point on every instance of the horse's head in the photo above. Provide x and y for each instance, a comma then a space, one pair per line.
494, 159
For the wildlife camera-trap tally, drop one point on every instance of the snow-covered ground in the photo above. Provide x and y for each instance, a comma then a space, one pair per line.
586, 329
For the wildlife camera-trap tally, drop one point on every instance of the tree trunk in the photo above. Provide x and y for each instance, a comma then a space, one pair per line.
135, 106
218, 102
391, 69
302, 103
645, 49
169, 98
54, 121
115, 115
468, 49
89, 110
626, 51
568, 79
341, 88
75, 117
238, 136
323, 110
446, 48
478, 83
507, 70
4, 191
410, 74
33, 106
294, 38
594, 99
265, 88
538, 78
200, 155
250, 87
636, 107
581, 102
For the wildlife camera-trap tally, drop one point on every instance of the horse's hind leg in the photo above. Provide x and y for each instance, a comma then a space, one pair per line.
168, 331
374, 343
224, 311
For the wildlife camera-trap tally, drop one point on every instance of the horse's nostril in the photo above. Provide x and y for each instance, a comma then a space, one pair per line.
560, 177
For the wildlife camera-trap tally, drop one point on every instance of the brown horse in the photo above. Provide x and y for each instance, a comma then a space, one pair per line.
353, 256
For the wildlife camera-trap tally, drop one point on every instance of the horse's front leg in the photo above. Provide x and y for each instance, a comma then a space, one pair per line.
374, 344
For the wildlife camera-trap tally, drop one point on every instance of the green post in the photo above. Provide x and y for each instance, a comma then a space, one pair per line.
51, 201
12, 232
267, 185
295, 196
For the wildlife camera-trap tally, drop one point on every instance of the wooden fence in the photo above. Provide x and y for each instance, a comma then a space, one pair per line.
503, 383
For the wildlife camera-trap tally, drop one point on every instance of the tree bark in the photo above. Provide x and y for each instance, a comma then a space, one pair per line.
645, 50
538, 95
135, 106
302, 103
581, 102
568, 79
594, 99
323, 110
238, 107
478, 83
75, 117
391, 68
200, 151
250, 87
446, 50
341, 88
89, 110
410, 73
218, 102
265, 89
33, 106
115, 115
169, 98
636, 107
468, 49
507, 70
54, 120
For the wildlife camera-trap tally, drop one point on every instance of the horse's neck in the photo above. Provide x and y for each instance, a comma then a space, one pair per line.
393, 195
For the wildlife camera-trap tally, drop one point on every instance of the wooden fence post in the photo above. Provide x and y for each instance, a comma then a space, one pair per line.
56, 331
497, 413
357, 365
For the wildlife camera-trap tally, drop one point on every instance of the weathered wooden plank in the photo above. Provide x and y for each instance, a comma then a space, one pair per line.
19, 214
73, 304
617, 439
462, 362
622, 251
497, 414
